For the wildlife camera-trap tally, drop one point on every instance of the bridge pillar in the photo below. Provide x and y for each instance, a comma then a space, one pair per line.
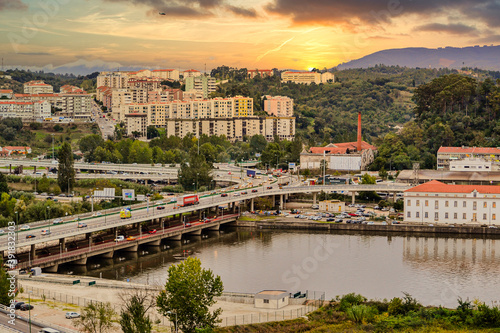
88, 235
252, 205
281, 201
33, 251
62, 244
314, 198
393, 197
51, 269
353, 197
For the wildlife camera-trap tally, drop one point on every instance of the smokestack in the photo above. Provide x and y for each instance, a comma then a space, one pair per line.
359, 131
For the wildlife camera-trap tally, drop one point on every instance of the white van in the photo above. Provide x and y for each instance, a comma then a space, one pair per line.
48, 330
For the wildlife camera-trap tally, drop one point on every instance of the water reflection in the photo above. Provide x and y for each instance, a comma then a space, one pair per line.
436, 270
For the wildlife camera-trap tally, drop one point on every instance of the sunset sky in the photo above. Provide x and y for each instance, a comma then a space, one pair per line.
297, 34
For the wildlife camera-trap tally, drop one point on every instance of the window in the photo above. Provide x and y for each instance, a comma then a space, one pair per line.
446, 203
266, 301
455, 216
485, 205
464, 216
475, 194
455, 204
494, 216
484, 216
426, 203
445, 215
426, 215
474, 205
436, 204
494, 205
436, 215
418, 203
408, 214
417, 214
408, 202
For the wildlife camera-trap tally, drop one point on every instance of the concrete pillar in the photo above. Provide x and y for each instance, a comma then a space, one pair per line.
88, 235
281, 201
62, 242
252, 204
393, 197
314, 198
200, 213
353, 197
33, 251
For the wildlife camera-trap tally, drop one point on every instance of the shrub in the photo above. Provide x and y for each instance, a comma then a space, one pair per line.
361, 313
347, 301
486, 316
398, 306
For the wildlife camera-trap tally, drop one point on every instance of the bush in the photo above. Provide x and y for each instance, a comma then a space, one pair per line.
486, 316
35, 126
398, 306
58, 128
349, 300
361, 313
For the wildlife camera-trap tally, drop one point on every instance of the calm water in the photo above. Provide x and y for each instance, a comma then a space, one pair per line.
435, 270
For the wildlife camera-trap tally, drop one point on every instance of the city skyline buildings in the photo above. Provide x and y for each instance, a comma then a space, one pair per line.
286, 34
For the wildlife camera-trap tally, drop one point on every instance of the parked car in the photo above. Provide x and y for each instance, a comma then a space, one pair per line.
315, 206
339, 221
17, 305
330, 219
26, 307
71, 315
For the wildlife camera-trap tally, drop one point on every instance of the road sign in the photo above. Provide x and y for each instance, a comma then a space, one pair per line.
108, 193
291, 166
128, 195
141, 197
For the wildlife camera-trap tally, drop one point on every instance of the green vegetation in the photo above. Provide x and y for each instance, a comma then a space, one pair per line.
96, 318
5, 294
189, 292
354, 313
66, 170
133, 316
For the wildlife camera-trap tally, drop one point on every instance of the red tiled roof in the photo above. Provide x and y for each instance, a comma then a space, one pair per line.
289, 72
6, 91
341, 148
16, 148
191, 70
469, 150
435, 186
163, 70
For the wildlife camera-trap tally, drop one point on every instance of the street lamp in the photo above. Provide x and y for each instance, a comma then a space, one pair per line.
174, 312
29, 307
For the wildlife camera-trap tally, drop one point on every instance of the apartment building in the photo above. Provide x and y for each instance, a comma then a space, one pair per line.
113, 79
262, 72
447, 154
136, 123
37, 87
146, 83
191, 73
202, 86
166, 74
307, 77
72, 105
67, 89
26, 110
278, 106
436, 202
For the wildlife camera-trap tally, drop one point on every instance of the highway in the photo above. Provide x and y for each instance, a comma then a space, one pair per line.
112, 220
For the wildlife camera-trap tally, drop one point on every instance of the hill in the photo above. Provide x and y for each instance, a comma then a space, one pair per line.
485, 57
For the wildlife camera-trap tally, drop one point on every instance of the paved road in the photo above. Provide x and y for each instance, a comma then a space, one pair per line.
21, 324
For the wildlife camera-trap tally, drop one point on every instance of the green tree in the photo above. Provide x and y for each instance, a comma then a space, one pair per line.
5, 294
133, 317
189, 292
4, 187
66, 170
89, 144
44, 184
96, 318
196, 172
258, 143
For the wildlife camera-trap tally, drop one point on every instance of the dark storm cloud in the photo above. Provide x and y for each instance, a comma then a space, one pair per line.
242, 11
372, 12
12, 4
456, 29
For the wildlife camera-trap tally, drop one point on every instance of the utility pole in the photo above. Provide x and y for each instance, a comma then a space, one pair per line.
52, 147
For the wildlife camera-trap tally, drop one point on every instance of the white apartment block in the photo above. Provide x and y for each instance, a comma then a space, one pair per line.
29, 111
76, 106
113, 79
191, 73
37, 87
473, 164
278, 106
282, 127
6, 93
136, 122
307, 77
202, 86
435, 202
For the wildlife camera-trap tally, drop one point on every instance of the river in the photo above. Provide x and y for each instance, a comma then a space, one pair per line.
435, 270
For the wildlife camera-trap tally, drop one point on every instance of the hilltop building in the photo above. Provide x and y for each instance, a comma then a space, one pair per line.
278, 106
307, 77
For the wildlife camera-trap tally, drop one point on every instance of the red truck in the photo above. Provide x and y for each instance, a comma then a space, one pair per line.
189, 200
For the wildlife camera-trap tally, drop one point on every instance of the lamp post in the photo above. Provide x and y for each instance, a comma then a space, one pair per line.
29, 308
48, 209
174, 312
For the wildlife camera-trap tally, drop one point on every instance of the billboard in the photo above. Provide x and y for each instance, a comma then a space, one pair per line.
141, 197
106, 194
291, 166
128, 195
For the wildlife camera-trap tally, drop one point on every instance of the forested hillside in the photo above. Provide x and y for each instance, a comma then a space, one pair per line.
328, 112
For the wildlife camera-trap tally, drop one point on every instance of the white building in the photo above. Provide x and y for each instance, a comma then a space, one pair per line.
278, 106
37, 87
473, 164
436, 202
29, 111
6, 93
334, 206
447, 154
307, 77
272, 299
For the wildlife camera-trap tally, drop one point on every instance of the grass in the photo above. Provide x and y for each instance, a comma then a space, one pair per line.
257, 218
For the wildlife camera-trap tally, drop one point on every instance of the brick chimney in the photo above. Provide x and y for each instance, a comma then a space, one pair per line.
358, 148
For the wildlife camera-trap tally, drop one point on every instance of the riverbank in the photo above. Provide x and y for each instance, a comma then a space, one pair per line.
290, 223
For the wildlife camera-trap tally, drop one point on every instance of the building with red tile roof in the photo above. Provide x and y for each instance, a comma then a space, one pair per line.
447, 154
437, 202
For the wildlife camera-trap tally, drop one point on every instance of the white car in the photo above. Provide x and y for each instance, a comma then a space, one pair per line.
71, 315
2, 232
119, 238
25, 227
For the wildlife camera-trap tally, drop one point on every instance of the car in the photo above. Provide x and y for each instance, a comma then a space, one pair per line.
255, 191
50, 198
45, 232
396, 222
269, 187
119, 238
152, 231
130, 238
244, 192
71, 315
57, 221
160, 207
30, 236
339, 221
370, 222
17, 305
2, 232
236, 194
97, 214
62, 195
223, 195
26, 307
315, 206
44, 194
81, 225
492, 227
25, 227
